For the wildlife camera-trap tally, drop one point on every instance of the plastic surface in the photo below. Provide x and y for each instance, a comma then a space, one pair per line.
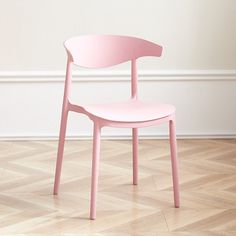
97, 51
130, 111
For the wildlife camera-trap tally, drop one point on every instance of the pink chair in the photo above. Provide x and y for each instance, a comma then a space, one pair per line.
99, 51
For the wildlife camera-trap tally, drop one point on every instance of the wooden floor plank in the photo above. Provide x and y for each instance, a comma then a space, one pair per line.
207, 181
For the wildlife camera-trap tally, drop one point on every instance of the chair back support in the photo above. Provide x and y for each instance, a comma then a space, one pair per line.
99, 51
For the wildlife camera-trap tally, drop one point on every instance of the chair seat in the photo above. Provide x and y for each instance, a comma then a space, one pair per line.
130, 111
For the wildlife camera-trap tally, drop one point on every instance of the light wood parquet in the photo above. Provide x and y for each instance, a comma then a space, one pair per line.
207, 183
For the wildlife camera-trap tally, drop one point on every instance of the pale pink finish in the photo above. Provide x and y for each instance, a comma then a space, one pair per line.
95, 165
134, 110
134, 80
135, 155
174, 162
64, 115
97, 51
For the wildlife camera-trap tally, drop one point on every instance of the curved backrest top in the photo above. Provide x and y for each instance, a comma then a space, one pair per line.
99, 51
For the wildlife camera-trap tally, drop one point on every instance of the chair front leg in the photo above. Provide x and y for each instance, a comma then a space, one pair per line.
135, 155
95, 169
174, 162
60, 150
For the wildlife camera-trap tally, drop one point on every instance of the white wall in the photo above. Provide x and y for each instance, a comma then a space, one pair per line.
31, 105
198, 63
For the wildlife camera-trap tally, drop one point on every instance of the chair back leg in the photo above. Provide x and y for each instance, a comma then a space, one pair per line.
174, 162
135, 155
95, 169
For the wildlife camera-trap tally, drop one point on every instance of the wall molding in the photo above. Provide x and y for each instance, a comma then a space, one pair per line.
117, 75
221, 81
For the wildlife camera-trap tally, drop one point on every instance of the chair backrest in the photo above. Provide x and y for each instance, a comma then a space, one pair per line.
99, 51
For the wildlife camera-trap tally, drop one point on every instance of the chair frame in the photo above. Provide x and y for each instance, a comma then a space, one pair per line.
98, 124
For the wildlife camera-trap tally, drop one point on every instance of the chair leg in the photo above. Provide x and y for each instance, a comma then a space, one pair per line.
174, 162
135, 155
95, 170
60, 151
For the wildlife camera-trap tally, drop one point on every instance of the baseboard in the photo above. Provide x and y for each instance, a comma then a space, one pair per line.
117, 137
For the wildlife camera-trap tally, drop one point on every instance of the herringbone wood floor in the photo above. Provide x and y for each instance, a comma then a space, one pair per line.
208, 189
